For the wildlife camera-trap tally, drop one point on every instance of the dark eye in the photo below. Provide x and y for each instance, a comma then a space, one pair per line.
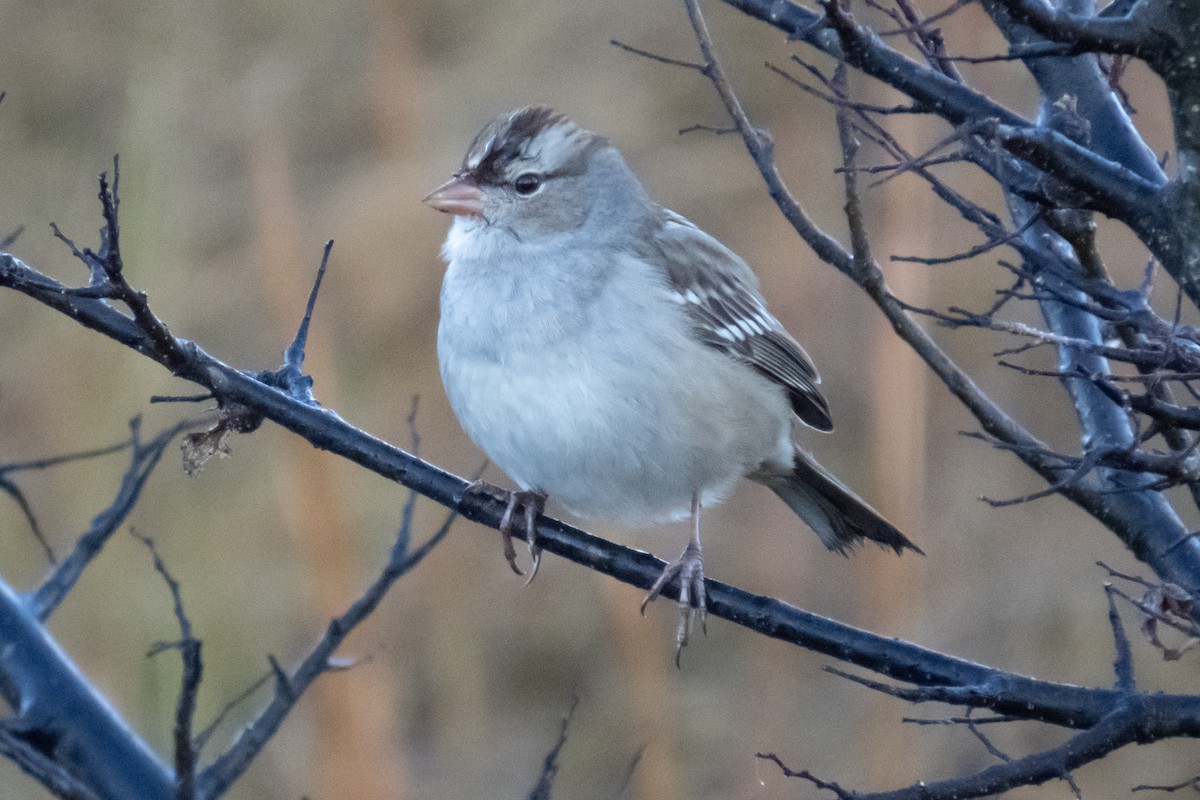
527, 184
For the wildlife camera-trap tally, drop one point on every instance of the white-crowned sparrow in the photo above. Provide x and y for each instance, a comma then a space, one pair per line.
604, 350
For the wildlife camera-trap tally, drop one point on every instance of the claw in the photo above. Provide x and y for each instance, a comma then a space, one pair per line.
506, 532
535, 560
532, 503
689, 569
533, 507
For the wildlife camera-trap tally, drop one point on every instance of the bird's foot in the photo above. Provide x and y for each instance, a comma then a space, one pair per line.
689, 569
532, 503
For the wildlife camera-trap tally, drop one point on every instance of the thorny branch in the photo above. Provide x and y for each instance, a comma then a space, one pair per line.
1054, 236
10, 487
189, 648
542, 790
121, 772
1118, 177
938, 677
290, 687
1055, 172
1144, 520
144, 457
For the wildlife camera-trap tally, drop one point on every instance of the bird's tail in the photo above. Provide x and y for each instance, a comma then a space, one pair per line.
840, 517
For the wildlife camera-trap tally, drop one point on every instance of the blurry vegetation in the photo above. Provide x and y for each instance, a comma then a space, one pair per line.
249, 134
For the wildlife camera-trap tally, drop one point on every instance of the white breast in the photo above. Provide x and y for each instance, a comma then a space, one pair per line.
592, 390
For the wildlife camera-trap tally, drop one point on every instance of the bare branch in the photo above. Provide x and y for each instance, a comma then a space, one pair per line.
545, 782
11, 489
1113, 732
201, 739
61, 719
20, 748
758, 144
1058, 704
1128, 35
674, 62
804, 774
289, 687
1123, 661
143, 459
186, 750
1190, 783
1128, 519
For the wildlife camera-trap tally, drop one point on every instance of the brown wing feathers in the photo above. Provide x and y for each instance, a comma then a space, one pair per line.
720, 293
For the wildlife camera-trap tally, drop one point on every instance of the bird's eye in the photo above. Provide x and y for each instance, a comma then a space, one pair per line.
527, 183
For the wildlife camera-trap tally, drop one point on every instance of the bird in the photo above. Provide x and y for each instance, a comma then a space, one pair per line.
605, 351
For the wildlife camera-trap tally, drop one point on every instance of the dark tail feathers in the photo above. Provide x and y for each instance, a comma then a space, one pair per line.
840, 517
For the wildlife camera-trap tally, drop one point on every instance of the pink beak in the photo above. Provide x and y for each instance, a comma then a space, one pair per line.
457, 196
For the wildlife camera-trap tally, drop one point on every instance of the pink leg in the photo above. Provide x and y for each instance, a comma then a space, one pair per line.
689, 569
532, 502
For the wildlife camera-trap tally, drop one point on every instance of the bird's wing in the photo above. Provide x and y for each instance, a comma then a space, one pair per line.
720, 293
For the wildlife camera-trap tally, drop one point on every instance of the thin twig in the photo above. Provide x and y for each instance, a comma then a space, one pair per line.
204, 735
16, 745
10, 239
674, 62
995, 752
804, 774
189, 648
1191, 783
550, 765
143, 459
1123, 660
289, 687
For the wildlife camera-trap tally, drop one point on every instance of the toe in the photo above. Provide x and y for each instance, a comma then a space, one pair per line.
535, 560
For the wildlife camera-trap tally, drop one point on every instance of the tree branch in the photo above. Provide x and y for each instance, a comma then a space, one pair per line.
1124, 725
1166, 216
144, 458
61, 718
290, 687
1003, 692
189, 647
1128, 35
1143, 519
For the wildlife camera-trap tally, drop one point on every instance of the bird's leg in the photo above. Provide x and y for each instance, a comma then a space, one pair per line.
689, 568
532, 502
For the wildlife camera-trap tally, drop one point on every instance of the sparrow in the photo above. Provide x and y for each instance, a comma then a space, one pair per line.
605, 351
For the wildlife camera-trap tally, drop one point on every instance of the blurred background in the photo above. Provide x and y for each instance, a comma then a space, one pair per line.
249, 133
